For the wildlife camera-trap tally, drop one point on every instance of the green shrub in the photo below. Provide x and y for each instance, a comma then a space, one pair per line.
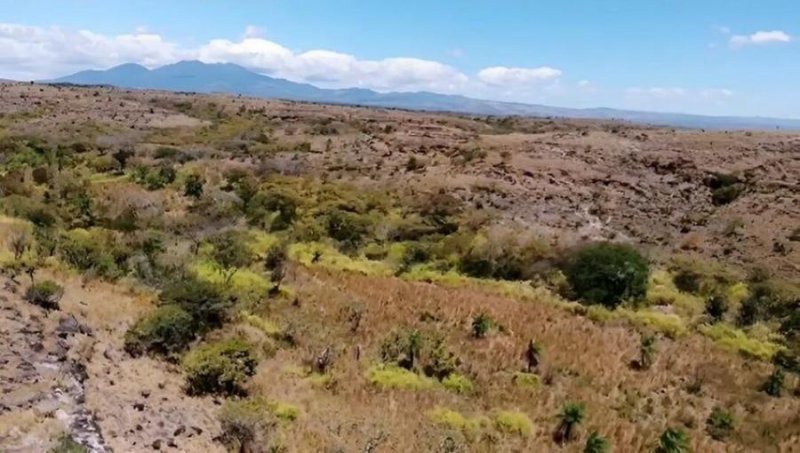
348, 228
596, 443
505, 255
719, 424
219, 368
608, 274
725, 188
95, 249
193, 186
481, 325
45, 294
391, 376
513, 422
201, 299
673, 440
773, 386
716, 307
167, 330
274, 208
245, 424
66, 444
458, 383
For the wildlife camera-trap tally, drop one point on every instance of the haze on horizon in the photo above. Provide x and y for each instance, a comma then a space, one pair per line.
707, 57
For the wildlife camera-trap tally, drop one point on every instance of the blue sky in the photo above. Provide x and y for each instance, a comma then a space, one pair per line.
704, 56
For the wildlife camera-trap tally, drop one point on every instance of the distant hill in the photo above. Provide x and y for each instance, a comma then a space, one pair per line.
233, 79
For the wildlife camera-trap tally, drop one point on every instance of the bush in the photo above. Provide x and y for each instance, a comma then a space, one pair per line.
481, 325
193, 186
725, 188
505, 255
719, 424
275, 207
66, 444
673, 440
347, 227
202, 300
774, 383
167, 330
513, 422
94, 249
219, 368
608, 274
716, 307
45, 294
458, 383
596, 444
245, 423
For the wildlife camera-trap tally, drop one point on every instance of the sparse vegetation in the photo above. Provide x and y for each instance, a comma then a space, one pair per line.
45, 294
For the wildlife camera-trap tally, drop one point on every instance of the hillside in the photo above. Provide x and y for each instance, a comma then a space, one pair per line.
187, 272
195, 76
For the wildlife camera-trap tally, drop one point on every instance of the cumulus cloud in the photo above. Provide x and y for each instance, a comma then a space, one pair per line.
760, 38
504, 76
36, 52
716, 94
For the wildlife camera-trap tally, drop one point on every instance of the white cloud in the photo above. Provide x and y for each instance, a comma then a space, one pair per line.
716, 94
36, 52
760, 38
656, 92
504, 76
253, 31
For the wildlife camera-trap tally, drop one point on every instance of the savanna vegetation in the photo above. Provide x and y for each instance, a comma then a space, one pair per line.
309, 302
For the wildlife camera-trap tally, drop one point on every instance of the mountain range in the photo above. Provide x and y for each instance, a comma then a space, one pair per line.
195, 76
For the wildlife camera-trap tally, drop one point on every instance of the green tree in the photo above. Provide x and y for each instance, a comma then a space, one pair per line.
608, 274
230, 253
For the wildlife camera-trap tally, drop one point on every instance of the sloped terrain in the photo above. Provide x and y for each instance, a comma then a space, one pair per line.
386, 280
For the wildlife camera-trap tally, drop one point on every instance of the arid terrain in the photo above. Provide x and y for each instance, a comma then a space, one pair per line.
400, 279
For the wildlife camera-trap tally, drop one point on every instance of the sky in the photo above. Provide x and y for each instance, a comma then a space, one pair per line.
720, 57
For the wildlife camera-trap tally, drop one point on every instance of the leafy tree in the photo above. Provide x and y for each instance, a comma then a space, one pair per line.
596, 444
201, 299
719, 424
230, 253
608, 274
571, 416
673, 440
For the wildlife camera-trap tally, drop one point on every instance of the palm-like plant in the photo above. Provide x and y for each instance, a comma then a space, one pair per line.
571, 416
596, 444
673, 440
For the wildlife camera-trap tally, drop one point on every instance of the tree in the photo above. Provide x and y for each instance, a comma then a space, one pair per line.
596, 444
230, 253
673, 440
571, 416
122, 155
647, 352
193, 186
608, 274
